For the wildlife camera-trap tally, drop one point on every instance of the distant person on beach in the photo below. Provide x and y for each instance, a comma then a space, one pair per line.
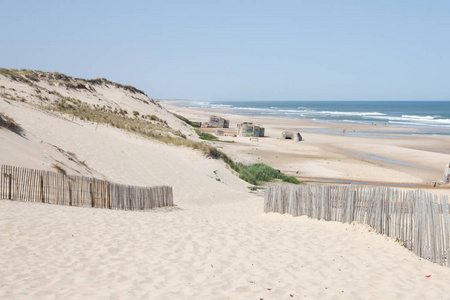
447, 174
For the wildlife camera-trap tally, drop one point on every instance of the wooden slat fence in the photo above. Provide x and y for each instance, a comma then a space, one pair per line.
420, 220
30, 185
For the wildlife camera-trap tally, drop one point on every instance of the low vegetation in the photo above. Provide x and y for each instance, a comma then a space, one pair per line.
186, 120
10, 124
148, 125
101, 81
206, 136
255, 174
209, 137
59, 168
258, 173
25, 76
31, 77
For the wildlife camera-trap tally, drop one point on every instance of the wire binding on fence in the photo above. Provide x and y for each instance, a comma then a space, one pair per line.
30, 185
420, 220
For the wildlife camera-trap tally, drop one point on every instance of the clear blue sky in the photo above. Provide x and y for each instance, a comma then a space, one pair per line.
239, 50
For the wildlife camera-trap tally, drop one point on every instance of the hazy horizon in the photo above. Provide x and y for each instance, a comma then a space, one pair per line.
281, 100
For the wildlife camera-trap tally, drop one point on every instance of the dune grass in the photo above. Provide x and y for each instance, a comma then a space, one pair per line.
10, 124
59, 168
206, 136
186, 120
25, 76
210, 137
258, 173
148, 125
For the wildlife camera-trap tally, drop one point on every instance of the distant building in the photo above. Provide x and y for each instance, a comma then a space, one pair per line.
250, 129
216, 122
288, 135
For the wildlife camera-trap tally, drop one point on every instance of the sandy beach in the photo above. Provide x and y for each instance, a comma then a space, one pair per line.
217, 242
396, 159
221, 250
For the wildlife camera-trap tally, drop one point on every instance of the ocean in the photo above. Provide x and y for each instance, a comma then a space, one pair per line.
429, 117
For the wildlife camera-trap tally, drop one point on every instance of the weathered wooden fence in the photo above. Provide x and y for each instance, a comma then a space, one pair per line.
30, 185
420, 220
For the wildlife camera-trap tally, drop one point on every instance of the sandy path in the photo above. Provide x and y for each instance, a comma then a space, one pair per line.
222, 251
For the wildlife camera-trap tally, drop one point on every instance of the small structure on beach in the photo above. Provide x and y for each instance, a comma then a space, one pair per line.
216, 122
287, 135
250, 129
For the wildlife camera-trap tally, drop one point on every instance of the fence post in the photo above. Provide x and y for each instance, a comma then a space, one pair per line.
42, 189
10, 187
108, 195
91, 192
70, 191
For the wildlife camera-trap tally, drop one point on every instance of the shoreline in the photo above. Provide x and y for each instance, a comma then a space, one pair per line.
374, 117
365, 153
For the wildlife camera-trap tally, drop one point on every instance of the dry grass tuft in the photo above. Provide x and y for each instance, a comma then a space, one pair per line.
10, 124
59, 168
147, 125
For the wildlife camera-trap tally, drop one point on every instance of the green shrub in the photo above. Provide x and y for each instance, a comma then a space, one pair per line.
206, 136
184, 119
258, 173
